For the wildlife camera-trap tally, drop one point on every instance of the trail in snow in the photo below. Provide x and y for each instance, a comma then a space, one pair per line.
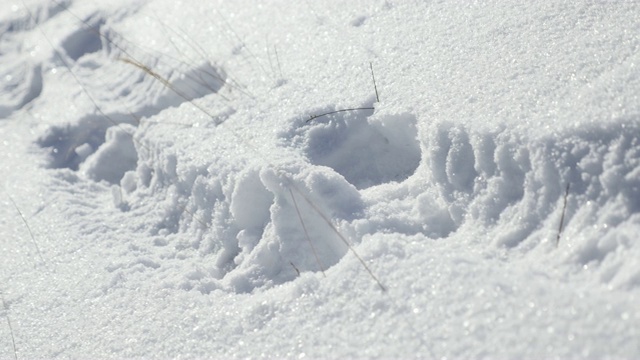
188, 202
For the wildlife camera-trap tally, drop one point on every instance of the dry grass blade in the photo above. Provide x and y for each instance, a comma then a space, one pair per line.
24, 220
374, 82
6, 315
564, 209
337, 232
313, 117
166, 83
295, 267
275, 48
306, 233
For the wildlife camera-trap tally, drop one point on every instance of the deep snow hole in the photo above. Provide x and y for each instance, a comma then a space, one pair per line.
364, 149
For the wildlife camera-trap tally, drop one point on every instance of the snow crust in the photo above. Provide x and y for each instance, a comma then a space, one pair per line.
172, 188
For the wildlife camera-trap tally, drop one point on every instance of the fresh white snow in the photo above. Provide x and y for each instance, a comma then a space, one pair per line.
169, 190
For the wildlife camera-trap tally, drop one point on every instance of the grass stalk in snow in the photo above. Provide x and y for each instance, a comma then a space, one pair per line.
166, 83
375, 87
295, 267
342, 237
374, 82
24, 220
564, 209
313, 117
306, 234
275, 49
6, 315
273, 71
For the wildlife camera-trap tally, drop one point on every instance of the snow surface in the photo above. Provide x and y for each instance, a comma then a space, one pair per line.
169, 192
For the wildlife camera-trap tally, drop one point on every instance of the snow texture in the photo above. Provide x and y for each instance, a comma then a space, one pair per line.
223, 179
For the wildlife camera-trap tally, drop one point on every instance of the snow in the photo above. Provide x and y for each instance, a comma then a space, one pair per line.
172, 189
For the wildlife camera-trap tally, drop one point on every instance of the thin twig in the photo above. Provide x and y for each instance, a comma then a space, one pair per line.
564, 209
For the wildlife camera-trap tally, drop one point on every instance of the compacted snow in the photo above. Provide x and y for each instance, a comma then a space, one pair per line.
172, 189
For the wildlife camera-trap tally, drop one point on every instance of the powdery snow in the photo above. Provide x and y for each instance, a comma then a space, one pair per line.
171, 192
